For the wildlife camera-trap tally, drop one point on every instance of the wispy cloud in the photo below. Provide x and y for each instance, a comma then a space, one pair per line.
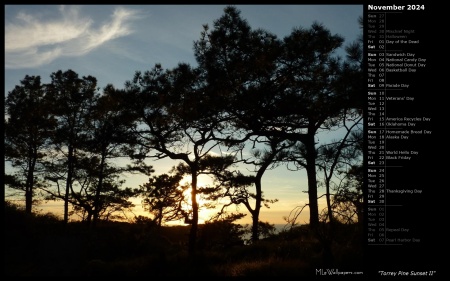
31, 42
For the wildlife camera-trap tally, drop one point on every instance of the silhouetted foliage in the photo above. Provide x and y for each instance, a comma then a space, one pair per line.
176, 120
283, 92
250, 91
163, 197
71, 100
29, 127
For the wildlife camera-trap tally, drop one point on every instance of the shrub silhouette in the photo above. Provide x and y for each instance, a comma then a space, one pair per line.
143, 249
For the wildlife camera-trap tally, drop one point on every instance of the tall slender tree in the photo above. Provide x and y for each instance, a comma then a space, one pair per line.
29, 127
108, 137
71, 100
238, 63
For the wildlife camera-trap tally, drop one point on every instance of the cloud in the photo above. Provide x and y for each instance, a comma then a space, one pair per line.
31, 42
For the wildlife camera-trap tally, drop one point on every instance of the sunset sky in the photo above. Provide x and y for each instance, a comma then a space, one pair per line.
111, 42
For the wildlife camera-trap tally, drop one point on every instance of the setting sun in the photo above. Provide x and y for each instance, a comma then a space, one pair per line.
204, 212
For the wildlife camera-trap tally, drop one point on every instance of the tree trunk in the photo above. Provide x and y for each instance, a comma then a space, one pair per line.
312, 181
328, 197
68, 184
29, 186
255, 213
98, 191
194, 222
